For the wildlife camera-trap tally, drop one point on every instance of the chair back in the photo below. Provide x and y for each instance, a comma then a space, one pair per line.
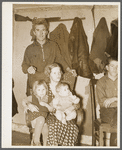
93, 98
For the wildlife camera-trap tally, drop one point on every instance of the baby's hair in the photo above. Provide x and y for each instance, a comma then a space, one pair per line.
60, 85
38, 83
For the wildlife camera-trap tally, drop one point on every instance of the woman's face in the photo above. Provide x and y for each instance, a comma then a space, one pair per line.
55, 74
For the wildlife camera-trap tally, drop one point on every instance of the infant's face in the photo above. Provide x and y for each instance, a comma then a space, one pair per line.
64, 91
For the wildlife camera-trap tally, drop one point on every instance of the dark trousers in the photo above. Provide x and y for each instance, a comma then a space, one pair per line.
109, 115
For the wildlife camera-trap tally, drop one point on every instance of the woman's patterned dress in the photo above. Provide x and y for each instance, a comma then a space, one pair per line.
59, 133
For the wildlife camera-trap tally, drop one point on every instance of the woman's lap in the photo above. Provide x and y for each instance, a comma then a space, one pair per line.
61, 134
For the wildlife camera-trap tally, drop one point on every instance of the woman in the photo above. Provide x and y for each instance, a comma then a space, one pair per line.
58, 133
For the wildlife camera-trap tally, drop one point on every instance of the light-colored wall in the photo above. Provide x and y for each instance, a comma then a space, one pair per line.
22, 38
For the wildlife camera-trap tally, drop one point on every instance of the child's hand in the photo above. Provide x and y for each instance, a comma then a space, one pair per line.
33, 108
25, 109
67, 111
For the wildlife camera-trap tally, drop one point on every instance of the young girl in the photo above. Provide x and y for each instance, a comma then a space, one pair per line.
36, 112
63, 103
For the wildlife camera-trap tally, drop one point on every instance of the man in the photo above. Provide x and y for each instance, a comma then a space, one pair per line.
107, 93
41, 53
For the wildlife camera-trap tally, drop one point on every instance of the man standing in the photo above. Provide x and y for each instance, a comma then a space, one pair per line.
41, 53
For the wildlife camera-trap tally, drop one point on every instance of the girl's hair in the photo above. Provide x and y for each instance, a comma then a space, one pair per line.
38, 21
38, 83
49, 68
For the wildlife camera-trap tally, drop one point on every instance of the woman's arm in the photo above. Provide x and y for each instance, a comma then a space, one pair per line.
73, 107
76, 106
50, 108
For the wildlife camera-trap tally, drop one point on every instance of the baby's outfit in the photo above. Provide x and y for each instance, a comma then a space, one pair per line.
62, 105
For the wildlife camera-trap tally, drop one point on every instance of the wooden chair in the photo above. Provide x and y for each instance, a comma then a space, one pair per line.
99, 129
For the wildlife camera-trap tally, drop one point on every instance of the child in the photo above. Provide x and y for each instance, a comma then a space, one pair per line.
36, 112
63, 102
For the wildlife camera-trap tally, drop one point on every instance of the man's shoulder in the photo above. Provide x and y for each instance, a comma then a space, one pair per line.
102, 80
30, 46
52, 42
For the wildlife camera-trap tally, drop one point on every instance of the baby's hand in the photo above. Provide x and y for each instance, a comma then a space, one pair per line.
67, 111
51, 109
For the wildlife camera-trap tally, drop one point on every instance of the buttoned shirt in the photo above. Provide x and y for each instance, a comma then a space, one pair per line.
106, 88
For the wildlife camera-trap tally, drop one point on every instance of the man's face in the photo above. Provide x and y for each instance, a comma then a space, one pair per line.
40, 32
113, 68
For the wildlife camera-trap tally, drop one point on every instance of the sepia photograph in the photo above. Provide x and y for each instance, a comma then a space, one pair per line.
52, 52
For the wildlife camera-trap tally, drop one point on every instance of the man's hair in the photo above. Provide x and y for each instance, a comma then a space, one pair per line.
49, 68
38, 83
109, 59
38, 21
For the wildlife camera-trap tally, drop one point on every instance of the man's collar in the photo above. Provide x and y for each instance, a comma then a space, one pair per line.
38, 44
108, 78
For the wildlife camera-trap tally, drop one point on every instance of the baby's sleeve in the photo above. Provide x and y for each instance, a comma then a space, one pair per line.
77, 100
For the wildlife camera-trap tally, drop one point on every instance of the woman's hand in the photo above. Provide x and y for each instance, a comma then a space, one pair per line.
72, 71
33, 108
109, 101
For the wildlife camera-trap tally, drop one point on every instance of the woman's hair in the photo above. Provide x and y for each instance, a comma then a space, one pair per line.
38, 83
49, 68
38, 21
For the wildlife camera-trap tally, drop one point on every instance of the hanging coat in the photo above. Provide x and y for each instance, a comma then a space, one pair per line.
60, 35
99, 43
112, 45
79, 49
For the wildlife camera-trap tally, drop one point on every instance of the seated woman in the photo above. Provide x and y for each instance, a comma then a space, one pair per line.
59, 133
107, 93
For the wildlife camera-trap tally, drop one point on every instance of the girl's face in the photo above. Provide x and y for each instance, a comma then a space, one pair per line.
55, 74
41, 91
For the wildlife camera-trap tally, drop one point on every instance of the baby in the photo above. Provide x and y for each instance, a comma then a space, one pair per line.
36, 112
63, 103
